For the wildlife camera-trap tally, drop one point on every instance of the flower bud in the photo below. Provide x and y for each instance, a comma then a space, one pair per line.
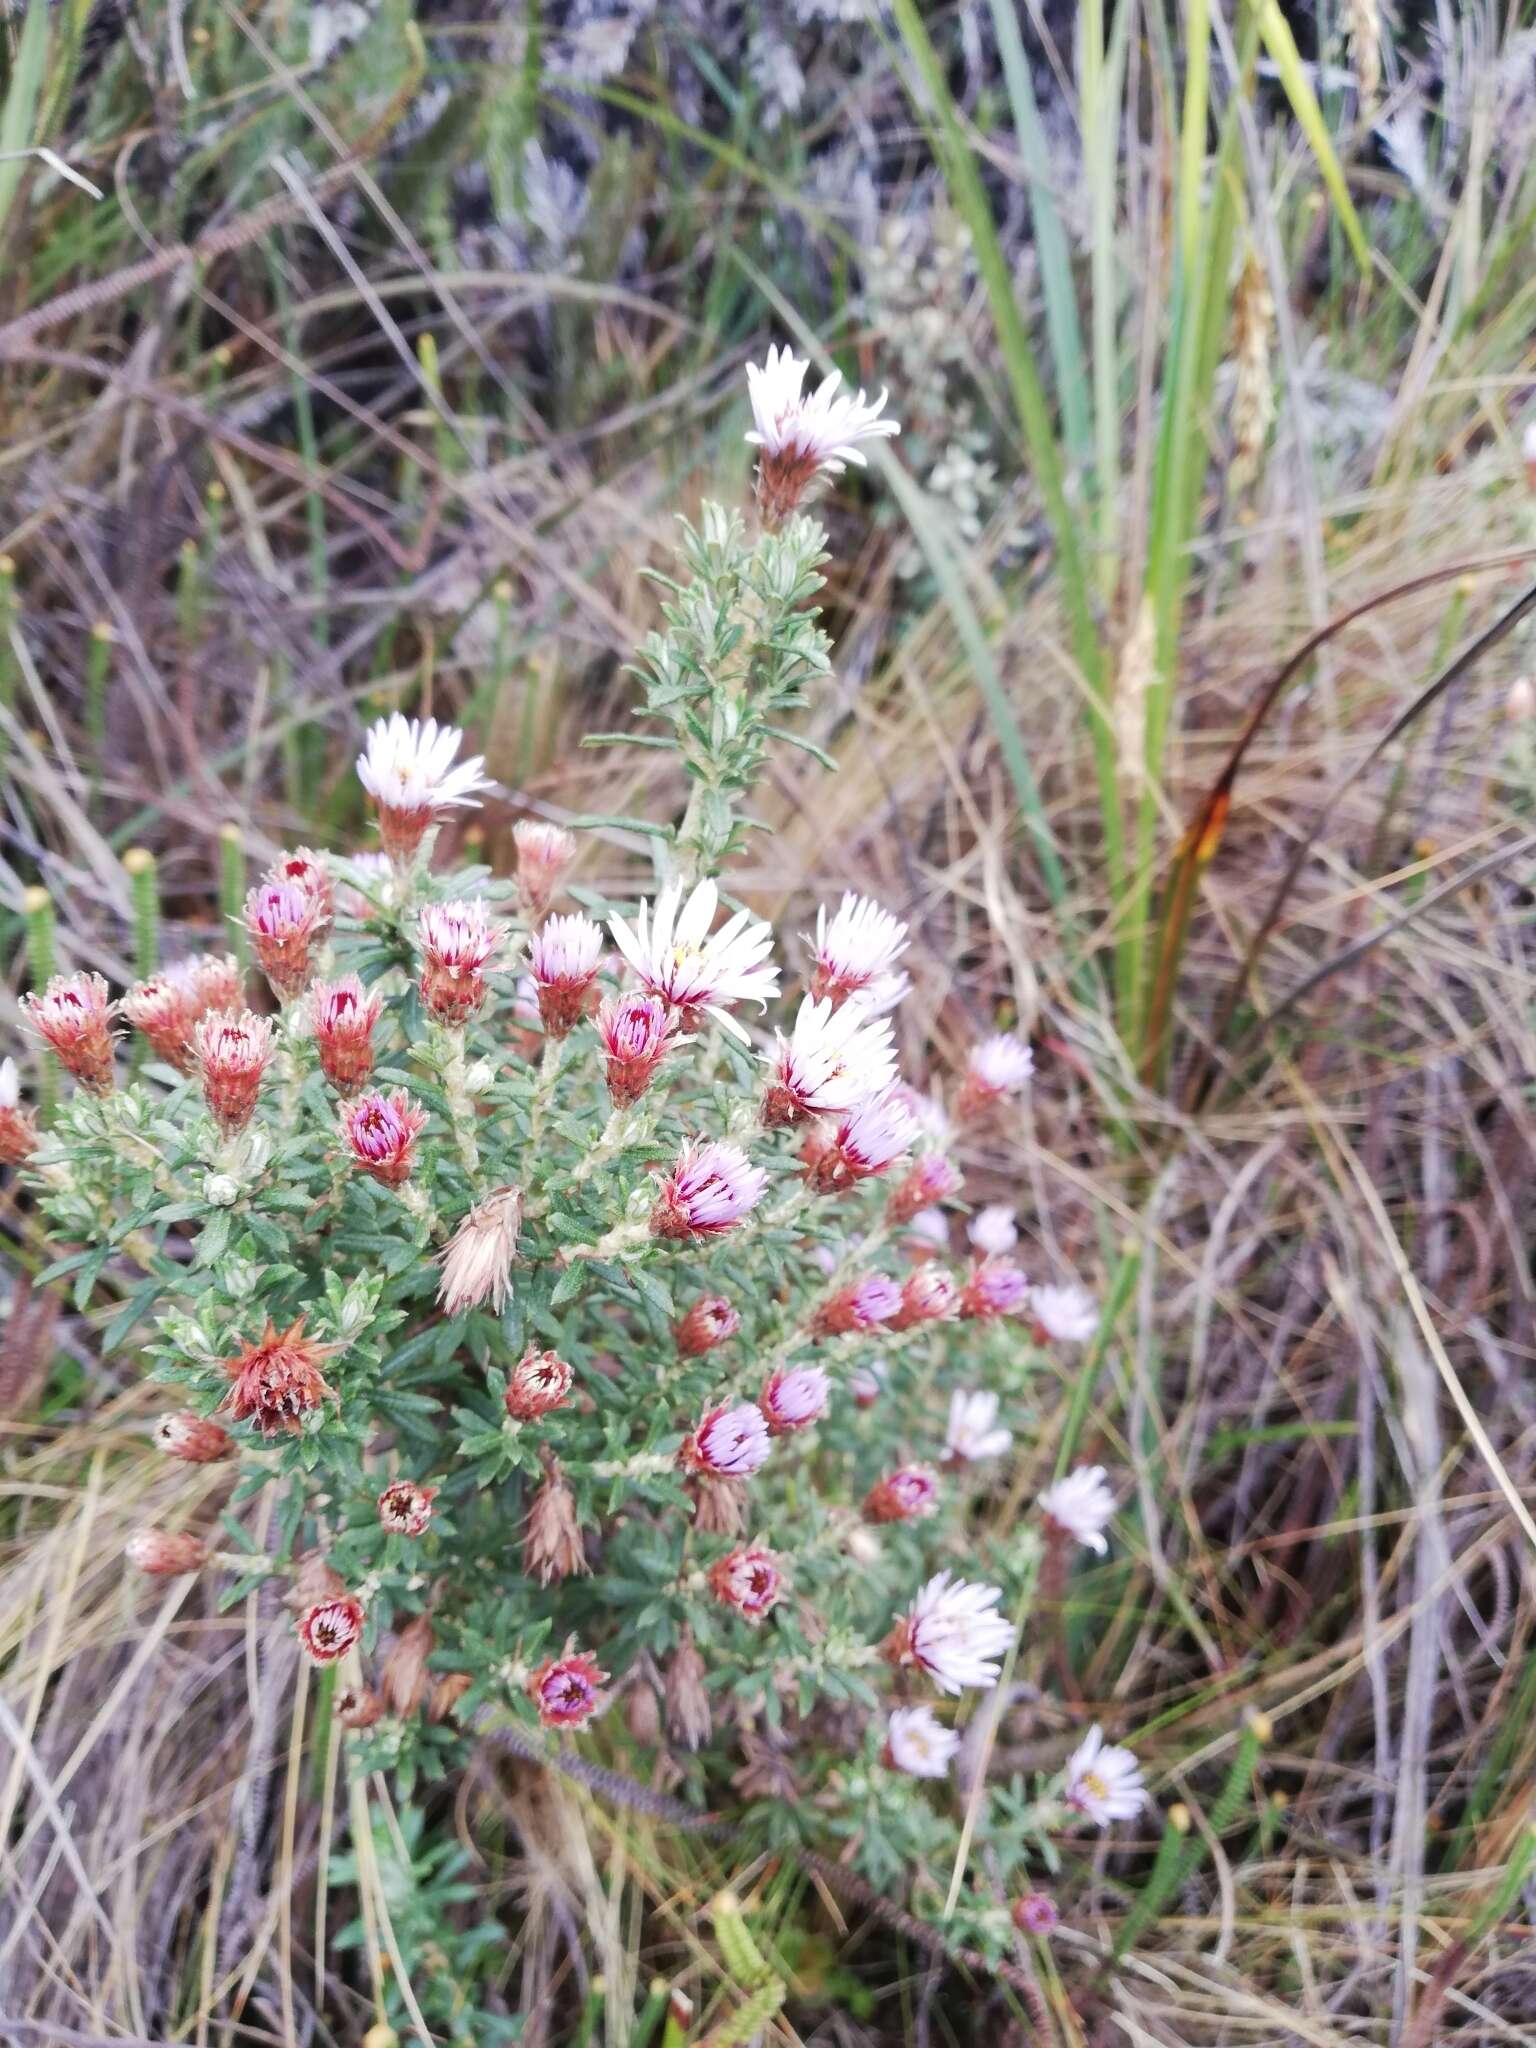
997, 1288
18, 1131
307, 872
687, 1702
285, 924
381, 1133
220, 1190
166, 1553
927, 1181
930, 1295
907, 1495
459, 941
233, 1050
749, 1580
357, 1707
541, 1382
567, 1689
330, 1628
195, 1439
793, 1397
563, 962
863, 1305
405, 1508
637, 1034
998, 1067
74, 1017
1035, 1913
544, 852
708, 1323
342, 1015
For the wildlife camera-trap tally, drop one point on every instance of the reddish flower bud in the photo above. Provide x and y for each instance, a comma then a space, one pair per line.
863, 1305
1036, 1913
74, 1017
342, 1015
866, 1141
381, 1131
637, 1034
233, 1052
405, 1508
711, 1188
459, 941
930, 1295
708, 1323
928, 1180
544, 852
18, 1131
748, 1580
998, 1067
357, 1707
195, 1439
731, 1441
541, 1382
793, 1397
903, 1496
165, 1008
563, 962
328, 1630
284, 924
996, 1288
567, 1690
278, 1381
166, 1553
306, 871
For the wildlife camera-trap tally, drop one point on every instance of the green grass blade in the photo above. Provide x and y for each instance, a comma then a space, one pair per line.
1056, 285
17, 131
1281, 45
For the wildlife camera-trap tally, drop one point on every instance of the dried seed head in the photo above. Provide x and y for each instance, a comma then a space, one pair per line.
687, 1701
403, 1678
552, 1545
477, 1264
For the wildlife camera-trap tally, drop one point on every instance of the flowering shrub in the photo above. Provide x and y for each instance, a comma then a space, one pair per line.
581, 1280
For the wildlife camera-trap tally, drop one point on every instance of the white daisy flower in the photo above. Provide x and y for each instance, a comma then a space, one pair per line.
993, 1230
803, 439
1103, 1781
1081, 1505
409, 768
973, 1433
953, 1633
672, 952
856, 950
1068, 1314
919, 1743
832, 1060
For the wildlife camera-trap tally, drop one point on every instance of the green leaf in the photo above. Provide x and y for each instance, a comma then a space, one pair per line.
1281, 45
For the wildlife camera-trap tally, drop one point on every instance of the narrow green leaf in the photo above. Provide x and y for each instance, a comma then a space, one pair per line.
1281, 45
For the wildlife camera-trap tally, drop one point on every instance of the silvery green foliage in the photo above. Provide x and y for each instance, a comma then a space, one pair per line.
215, 1240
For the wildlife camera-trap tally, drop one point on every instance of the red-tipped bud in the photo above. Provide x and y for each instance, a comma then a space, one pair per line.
927, 1181
166, 1553
708, 1323
544, 852
381, 1132
405, 1508
636, 1031
863, 1305
342, 1015
284, 924
567, 1690
749, 1580
195, 1439
931, 1295
233, 1052
73, 1016
328, 1630
904, 1496
540, 1383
